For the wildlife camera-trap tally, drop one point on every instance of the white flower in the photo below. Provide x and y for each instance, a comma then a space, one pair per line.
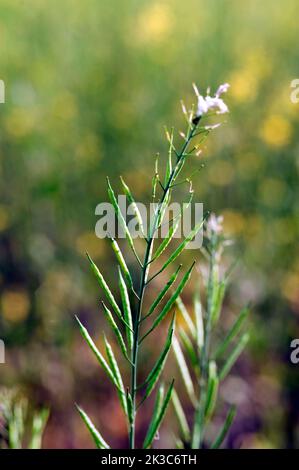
211, 102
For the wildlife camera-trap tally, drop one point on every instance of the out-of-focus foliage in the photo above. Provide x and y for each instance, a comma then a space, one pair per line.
197, 342
89, 86
20, 427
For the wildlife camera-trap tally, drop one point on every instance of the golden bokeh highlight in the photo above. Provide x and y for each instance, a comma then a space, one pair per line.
155, 23
276, 131
64, 107
234, 222
15, 305
243, 86
20, 122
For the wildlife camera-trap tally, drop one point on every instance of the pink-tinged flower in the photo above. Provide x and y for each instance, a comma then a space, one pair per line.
216, 104
214, 224
213, 103
202, 106
222, 89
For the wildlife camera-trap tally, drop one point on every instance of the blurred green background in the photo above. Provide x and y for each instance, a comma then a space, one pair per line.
89, 87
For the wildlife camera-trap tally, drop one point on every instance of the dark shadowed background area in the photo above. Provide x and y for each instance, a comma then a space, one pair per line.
89, 87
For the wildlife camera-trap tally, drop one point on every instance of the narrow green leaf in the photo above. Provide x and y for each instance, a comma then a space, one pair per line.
116, 330
169, 161
171, 301
198, 322
158, 415
154, 375
188, 320
157, 409
166, 240
121, 218
234, 356
183, 245
133, 204
96, 352
115, 370
217, 302
127, 309
130, 407
39, 422
183, 369
235, 329
212, 390
178, 443
172, 230
98, 439
162, 293
105, 288
155, 178
147, 267
224, 430
16, 424
189, 348
122, 262
213, 284
161, 209
181, 417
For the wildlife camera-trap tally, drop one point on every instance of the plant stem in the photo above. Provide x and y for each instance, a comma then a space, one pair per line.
144, 276
198, 429
136, 340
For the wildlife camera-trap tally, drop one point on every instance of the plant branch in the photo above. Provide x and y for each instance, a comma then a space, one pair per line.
144, 276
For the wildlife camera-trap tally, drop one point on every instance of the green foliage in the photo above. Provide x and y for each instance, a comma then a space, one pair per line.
234, 356
116, 330
199, 346
98, 355
158, 415
170, 302
118, 379
132, 314
98, 439
181, 417
105, 288
162, 293
159, 365
225, 428
23, 427
182, 365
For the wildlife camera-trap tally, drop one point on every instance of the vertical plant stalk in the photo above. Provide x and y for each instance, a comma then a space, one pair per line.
132, 322
197, 435
198, 345
145, 270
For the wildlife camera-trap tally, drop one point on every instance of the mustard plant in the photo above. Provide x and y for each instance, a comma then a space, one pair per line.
198, 348
127, 321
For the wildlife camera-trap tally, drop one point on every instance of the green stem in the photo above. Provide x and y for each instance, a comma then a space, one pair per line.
198, 428
144, 275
